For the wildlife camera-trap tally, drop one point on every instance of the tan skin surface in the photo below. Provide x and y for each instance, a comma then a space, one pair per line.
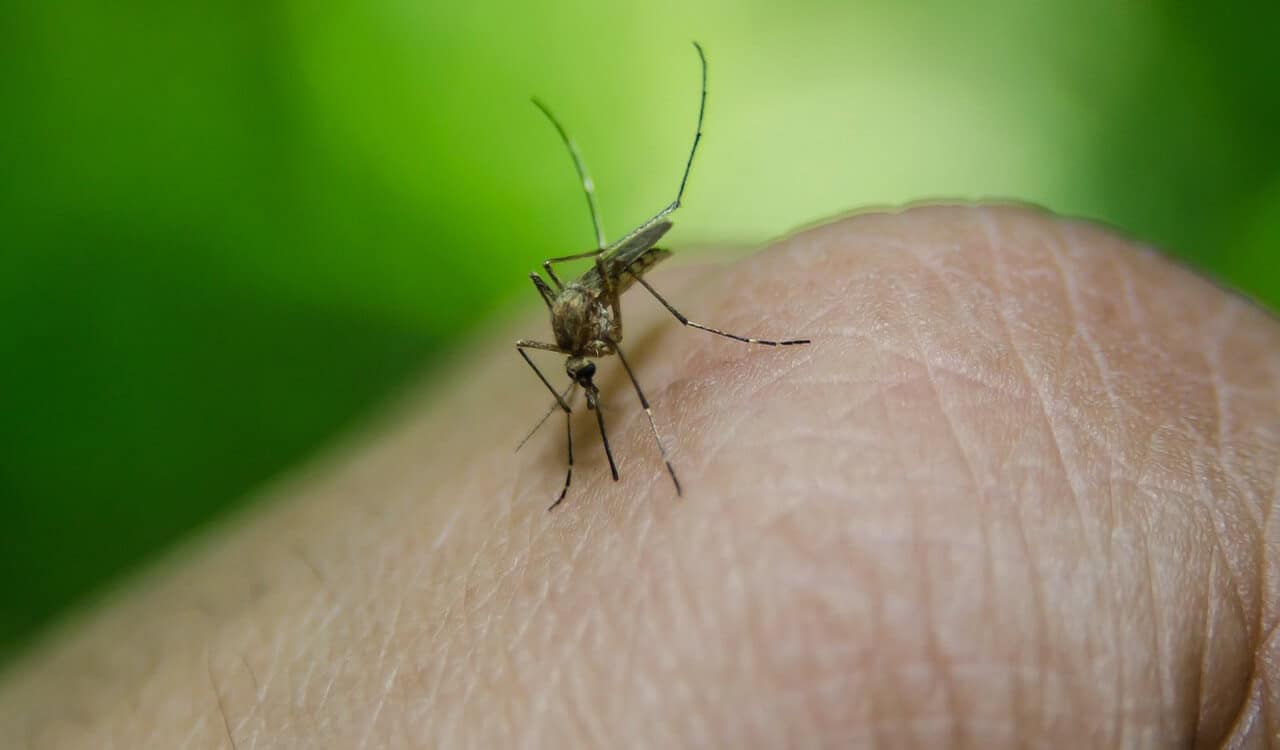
1018, 490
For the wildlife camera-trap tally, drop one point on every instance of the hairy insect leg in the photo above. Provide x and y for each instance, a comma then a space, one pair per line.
685, 321
576, 256
551, 273
593, 403
568, 432
588, 186
648, 412
548, 295
523, 344
546, 264
609, 283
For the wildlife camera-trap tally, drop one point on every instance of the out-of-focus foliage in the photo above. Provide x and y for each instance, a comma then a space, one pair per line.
231, 227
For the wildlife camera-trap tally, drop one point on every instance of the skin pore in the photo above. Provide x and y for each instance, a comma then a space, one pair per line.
1018, 490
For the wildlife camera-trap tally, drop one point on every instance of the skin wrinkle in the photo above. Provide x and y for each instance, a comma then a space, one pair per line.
1157, 649
1063, 428
984, 520
853, 676
1263, 678
958, 736
1038, 595
976, 374
1218, 602
1213, 358
737, 601
1217, 541
630, 634
879, 632
217, 694
379, 703
560, 685
540, 598
272, 671
845, 624
727, 434
1235, 499
942, 666
1206, 653
1080, 330
1267, 553
1207, 500
908, 720
1268, 656
687, 600
836, 662
381, 660
1247, 720
595, 625
1242, 732
1258, 508
196, 729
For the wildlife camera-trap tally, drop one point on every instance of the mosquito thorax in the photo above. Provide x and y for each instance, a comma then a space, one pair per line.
580, 318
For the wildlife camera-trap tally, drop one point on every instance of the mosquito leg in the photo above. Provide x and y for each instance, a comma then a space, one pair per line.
685, 321
609, 282
606, 280
593, 403
546, 266
648, 412
523, 344
548, 295
575, 256
568, 475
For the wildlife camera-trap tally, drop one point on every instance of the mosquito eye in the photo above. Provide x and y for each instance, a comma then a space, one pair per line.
589, 371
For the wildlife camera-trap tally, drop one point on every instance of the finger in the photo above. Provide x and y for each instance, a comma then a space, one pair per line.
1017, 490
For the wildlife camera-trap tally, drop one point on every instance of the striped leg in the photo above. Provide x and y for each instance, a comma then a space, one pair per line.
648, 412
685, 321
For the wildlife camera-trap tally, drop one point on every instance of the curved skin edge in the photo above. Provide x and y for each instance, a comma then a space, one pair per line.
1018, 490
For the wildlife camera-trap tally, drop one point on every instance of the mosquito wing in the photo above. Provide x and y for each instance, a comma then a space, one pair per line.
631, 257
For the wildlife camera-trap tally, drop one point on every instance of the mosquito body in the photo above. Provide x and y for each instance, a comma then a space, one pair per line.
586, 317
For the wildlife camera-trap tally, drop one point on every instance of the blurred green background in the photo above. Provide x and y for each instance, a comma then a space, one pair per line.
230, 229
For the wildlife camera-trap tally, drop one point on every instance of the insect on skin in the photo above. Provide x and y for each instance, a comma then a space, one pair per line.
586, 317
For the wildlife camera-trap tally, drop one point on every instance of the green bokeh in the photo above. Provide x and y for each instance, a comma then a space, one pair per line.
232, 228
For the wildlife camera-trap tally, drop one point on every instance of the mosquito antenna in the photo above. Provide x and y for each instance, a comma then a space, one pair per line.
565, 397
688, 165
588, 186
697, 136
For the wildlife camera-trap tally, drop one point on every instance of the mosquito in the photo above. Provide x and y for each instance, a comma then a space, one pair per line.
586, 316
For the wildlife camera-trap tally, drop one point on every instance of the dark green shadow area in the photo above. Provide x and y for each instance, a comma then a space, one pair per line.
141, 399
1190, 156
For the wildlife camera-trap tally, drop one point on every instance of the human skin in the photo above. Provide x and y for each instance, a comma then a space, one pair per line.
1018, 491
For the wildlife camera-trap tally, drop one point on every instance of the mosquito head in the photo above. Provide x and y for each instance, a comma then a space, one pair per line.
581, 370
